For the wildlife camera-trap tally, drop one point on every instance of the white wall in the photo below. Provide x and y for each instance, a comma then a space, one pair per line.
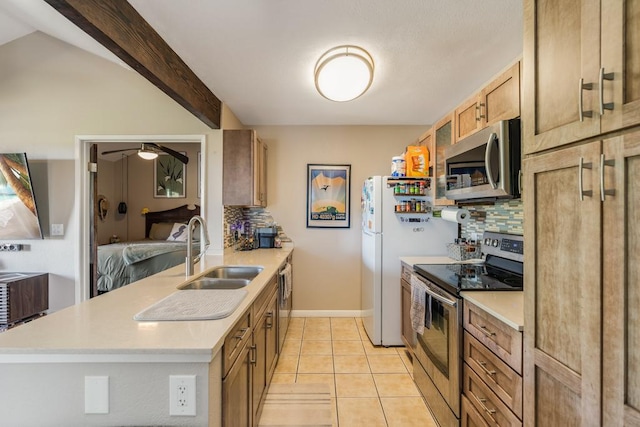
52, 92
326, 261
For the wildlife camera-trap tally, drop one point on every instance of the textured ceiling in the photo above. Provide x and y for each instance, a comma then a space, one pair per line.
258, 56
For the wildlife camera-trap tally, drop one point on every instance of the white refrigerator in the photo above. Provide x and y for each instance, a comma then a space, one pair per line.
388, 235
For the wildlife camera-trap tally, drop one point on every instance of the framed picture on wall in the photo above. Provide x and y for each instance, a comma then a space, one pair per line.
328, 195
169, 177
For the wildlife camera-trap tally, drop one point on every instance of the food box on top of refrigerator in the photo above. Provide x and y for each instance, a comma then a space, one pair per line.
417, 160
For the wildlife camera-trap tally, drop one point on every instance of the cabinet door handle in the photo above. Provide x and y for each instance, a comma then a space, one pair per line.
269, 320
489, 412
486, 331
609, 105
242, 333
483, 365
581, 190
604, 163
479, 115
582, 87
253, 358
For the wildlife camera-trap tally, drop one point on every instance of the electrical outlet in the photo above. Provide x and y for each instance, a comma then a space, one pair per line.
57, 229
182, 395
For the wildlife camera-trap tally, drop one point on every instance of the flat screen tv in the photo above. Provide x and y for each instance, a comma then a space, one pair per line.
18, 213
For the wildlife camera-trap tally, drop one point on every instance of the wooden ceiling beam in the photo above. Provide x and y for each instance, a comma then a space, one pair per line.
121, 29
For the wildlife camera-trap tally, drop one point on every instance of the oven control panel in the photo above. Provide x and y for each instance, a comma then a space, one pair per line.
504, 245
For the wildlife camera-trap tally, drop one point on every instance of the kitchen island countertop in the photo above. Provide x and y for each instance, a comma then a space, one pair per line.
102, 329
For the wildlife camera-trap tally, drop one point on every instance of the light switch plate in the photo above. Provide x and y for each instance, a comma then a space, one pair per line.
96, 395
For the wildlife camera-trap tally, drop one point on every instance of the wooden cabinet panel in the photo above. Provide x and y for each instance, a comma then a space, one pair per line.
499, 377
271, 353
500, 338
235, 341
500, 100
470, 416
408, 334
469, 118
621, 282
561, 47
236, 392
490, 407
620, 55
250, 355
562, 284
244, 167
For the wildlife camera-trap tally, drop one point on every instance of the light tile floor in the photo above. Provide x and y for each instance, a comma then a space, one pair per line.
370, 386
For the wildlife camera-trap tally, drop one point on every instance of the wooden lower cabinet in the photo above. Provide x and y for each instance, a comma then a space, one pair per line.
582, 285
246, 377
491, 385
265, 354
408, 335
237, 410
470, 416
621, 283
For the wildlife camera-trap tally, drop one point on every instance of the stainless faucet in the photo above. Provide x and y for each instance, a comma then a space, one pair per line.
204, 242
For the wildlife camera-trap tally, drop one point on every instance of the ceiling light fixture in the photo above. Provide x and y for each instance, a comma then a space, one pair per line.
147, 153
344, 73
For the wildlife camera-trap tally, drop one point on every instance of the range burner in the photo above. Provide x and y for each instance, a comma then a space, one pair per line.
501, 271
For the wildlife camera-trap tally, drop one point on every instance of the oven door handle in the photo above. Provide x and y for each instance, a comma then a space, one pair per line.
440, 298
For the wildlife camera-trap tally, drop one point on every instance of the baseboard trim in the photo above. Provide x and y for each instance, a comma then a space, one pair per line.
326, 313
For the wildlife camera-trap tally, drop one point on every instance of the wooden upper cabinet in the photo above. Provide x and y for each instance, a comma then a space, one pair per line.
468, 117
244, 169
561, 58
582, 61
620, 62
499, 100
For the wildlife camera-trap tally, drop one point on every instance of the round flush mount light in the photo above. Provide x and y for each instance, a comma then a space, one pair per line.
344, 73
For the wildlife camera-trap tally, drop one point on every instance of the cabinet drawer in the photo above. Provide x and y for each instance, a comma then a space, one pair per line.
504, 381
235, 341
490, 407
470, 416
500, 338
260, 304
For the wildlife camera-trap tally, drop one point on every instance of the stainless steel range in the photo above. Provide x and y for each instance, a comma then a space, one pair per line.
438, 364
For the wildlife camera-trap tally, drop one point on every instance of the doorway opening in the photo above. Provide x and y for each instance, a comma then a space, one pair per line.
86, 196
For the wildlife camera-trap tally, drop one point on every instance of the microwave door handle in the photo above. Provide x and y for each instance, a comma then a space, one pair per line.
440, 298
493, 138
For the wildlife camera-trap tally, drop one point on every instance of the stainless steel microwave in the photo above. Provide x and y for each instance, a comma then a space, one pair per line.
486, 165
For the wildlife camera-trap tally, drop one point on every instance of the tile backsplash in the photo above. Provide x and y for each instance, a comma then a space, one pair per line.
503, 217
257, 217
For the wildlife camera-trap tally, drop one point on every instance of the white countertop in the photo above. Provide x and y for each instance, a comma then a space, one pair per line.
102, 329
507, 306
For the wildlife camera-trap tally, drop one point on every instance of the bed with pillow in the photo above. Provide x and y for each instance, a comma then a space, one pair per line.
165, 246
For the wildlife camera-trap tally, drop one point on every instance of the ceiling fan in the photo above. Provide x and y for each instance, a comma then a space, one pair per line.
150, 150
